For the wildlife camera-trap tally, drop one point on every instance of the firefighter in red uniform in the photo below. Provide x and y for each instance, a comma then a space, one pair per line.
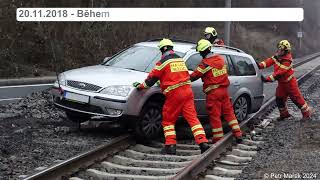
176, 86
287, 83
211, 35
213, 73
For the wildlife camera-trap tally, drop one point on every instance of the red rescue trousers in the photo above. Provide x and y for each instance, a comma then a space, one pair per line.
219, 104
181, 101
290, 89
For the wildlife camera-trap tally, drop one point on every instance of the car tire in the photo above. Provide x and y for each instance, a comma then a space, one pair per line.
148, 126
241, 108
77, 117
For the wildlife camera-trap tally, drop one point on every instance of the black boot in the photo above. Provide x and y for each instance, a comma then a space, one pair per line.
169, 149
239, 140
203, 147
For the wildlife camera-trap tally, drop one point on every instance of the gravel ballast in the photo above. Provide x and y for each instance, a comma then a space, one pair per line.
292, 149
35, 134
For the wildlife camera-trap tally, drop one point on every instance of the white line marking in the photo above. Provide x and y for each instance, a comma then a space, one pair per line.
28, 85
10, 99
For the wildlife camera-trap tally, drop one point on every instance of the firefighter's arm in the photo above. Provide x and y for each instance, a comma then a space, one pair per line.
199, 72
267, 62
283, 68
152, 78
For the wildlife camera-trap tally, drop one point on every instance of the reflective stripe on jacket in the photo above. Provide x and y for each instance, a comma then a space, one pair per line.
172, 72
213, 73
283, 68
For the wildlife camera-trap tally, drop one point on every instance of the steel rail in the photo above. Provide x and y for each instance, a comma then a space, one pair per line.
200, 164
70, 166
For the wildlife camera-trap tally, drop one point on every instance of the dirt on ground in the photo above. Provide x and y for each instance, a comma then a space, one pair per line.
292, 149
33, 133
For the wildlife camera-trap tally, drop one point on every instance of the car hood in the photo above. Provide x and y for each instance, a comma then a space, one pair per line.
105, 75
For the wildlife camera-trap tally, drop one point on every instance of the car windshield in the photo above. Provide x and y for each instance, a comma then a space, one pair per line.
138, 58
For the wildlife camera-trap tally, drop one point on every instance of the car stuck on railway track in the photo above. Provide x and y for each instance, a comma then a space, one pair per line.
106, 89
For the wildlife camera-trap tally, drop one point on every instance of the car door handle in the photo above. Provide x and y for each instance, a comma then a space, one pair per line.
236, 84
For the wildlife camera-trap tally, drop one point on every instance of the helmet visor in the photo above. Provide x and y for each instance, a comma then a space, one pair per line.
207, 35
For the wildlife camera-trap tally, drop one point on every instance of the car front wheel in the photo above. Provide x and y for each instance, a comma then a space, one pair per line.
149, 124
241, 108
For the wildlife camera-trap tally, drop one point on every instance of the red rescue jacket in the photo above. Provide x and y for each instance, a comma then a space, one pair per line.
218, 42
283, 68
213, 73
172, 72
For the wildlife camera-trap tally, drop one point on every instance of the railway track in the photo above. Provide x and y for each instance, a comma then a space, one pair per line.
122, 158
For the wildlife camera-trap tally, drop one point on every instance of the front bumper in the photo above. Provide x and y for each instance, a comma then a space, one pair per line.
97, 106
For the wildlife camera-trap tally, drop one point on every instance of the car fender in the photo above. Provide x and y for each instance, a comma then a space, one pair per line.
138, 99
241, 92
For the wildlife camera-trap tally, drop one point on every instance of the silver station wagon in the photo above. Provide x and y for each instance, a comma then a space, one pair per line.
106, 90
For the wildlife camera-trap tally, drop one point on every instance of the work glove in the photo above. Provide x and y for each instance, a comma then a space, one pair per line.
257, 64
264, 79
136, 85
275, 57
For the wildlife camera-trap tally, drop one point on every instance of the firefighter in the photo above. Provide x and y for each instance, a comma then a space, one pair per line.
287, 83
176, 86
213, 73
211, 35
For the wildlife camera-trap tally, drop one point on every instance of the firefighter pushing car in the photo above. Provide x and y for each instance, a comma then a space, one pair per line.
176, 86
287, 83
213, 72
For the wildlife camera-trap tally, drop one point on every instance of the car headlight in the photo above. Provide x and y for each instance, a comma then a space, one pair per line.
117, 90
62, 80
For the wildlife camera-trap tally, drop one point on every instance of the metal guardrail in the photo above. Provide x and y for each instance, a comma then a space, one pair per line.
199, 165
27, 81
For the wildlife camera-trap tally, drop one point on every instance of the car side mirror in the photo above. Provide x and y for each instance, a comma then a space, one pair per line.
105, 59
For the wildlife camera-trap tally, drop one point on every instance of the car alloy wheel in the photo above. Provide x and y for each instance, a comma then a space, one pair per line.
241, 108
151, 122
149, 125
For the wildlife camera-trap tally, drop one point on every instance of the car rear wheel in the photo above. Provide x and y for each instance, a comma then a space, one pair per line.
77, 117
241, 108
149, 124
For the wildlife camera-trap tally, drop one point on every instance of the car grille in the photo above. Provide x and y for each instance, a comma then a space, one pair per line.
83, 85
78, 106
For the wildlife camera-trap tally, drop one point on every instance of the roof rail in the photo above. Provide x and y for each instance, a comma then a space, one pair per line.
230, 47
172, 39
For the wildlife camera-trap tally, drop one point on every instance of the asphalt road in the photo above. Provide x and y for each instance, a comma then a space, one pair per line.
9, 94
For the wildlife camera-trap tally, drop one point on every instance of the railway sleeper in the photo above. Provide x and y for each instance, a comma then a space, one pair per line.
155, 157
146, 163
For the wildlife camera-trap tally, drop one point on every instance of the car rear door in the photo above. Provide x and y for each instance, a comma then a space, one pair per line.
234, 84
246, 75
200, 97
192, 63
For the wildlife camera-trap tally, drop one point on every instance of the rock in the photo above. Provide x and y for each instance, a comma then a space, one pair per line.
41, 168
20, 130
63, 129
8, 115
12, 158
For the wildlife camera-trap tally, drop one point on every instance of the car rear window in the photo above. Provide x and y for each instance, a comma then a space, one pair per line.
243, 66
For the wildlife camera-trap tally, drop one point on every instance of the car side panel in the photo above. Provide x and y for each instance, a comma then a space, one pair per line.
199, 97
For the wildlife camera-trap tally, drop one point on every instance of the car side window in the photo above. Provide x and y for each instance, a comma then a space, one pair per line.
226, 62
231, 68
243, 66
193, 61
